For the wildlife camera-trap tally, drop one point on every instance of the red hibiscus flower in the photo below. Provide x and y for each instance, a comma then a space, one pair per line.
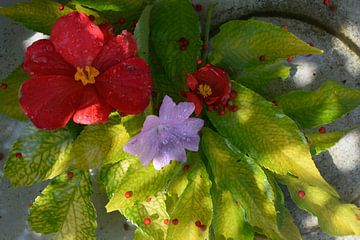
83, 72
208, 85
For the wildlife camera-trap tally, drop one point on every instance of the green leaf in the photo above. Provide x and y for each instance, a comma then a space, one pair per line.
167, 14
113, 10
99, 145
45, 154
193, 202
229, 219
335, 218
323, 106
262, 131
245, 180
239, 47
9, 98
143, 183
320, 142
64, 207
38, 15
142, 33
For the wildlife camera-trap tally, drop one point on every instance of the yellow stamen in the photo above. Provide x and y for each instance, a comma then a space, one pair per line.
205, 90
87, 77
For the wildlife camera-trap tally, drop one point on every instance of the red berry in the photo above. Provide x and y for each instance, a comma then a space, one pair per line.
290, 59
4, 86
203, 228
333, 8
198, 223
147, 221
166, 221
322, 130
285, 27
233, 94
61, 7
70, 175
326, 2
175, 221
148, 199
198, 7
262, 58
122, 20
186, 167
18, 155
185, 42
234, 108
128, 194
301, 194
199, 61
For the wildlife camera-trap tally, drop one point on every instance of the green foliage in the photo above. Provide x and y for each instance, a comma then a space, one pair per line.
100, 144
114, 10
262, 131
38, 15
253, 51
44, 155
167, 14
325, 105
64, 208
335, 218
320, 142
9, 98
245, 180
229, 219
190, 201
142, 33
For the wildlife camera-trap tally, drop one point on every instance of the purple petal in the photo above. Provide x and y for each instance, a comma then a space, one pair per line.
144, 146
164, 157
151, 121
170, 112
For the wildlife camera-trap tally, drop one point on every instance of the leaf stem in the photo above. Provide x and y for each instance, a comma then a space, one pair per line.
209, 13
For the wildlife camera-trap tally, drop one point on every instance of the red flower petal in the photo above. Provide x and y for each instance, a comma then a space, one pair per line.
42, 59
108, 31
217, 79
92, 108
191, 82
126, 86
50, 101
77, 39
192, 97
116, 50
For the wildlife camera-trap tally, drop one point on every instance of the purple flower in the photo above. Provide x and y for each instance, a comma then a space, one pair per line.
165, 138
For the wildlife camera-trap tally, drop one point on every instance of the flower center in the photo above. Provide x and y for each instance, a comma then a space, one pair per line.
204, 90
87, 75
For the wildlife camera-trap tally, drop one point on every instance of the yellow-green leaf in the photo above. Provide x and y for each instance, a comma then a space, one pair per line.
335, 218
9, 99
64, 207
323, 106
246, 181
253, 51
99, 145
320, 142
229, 219
272, 139
37, 15
44, 155
192, 203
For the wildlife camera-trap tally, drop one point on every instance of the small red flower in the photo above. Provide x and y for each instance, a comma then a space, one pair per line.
83, 72
208, 85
